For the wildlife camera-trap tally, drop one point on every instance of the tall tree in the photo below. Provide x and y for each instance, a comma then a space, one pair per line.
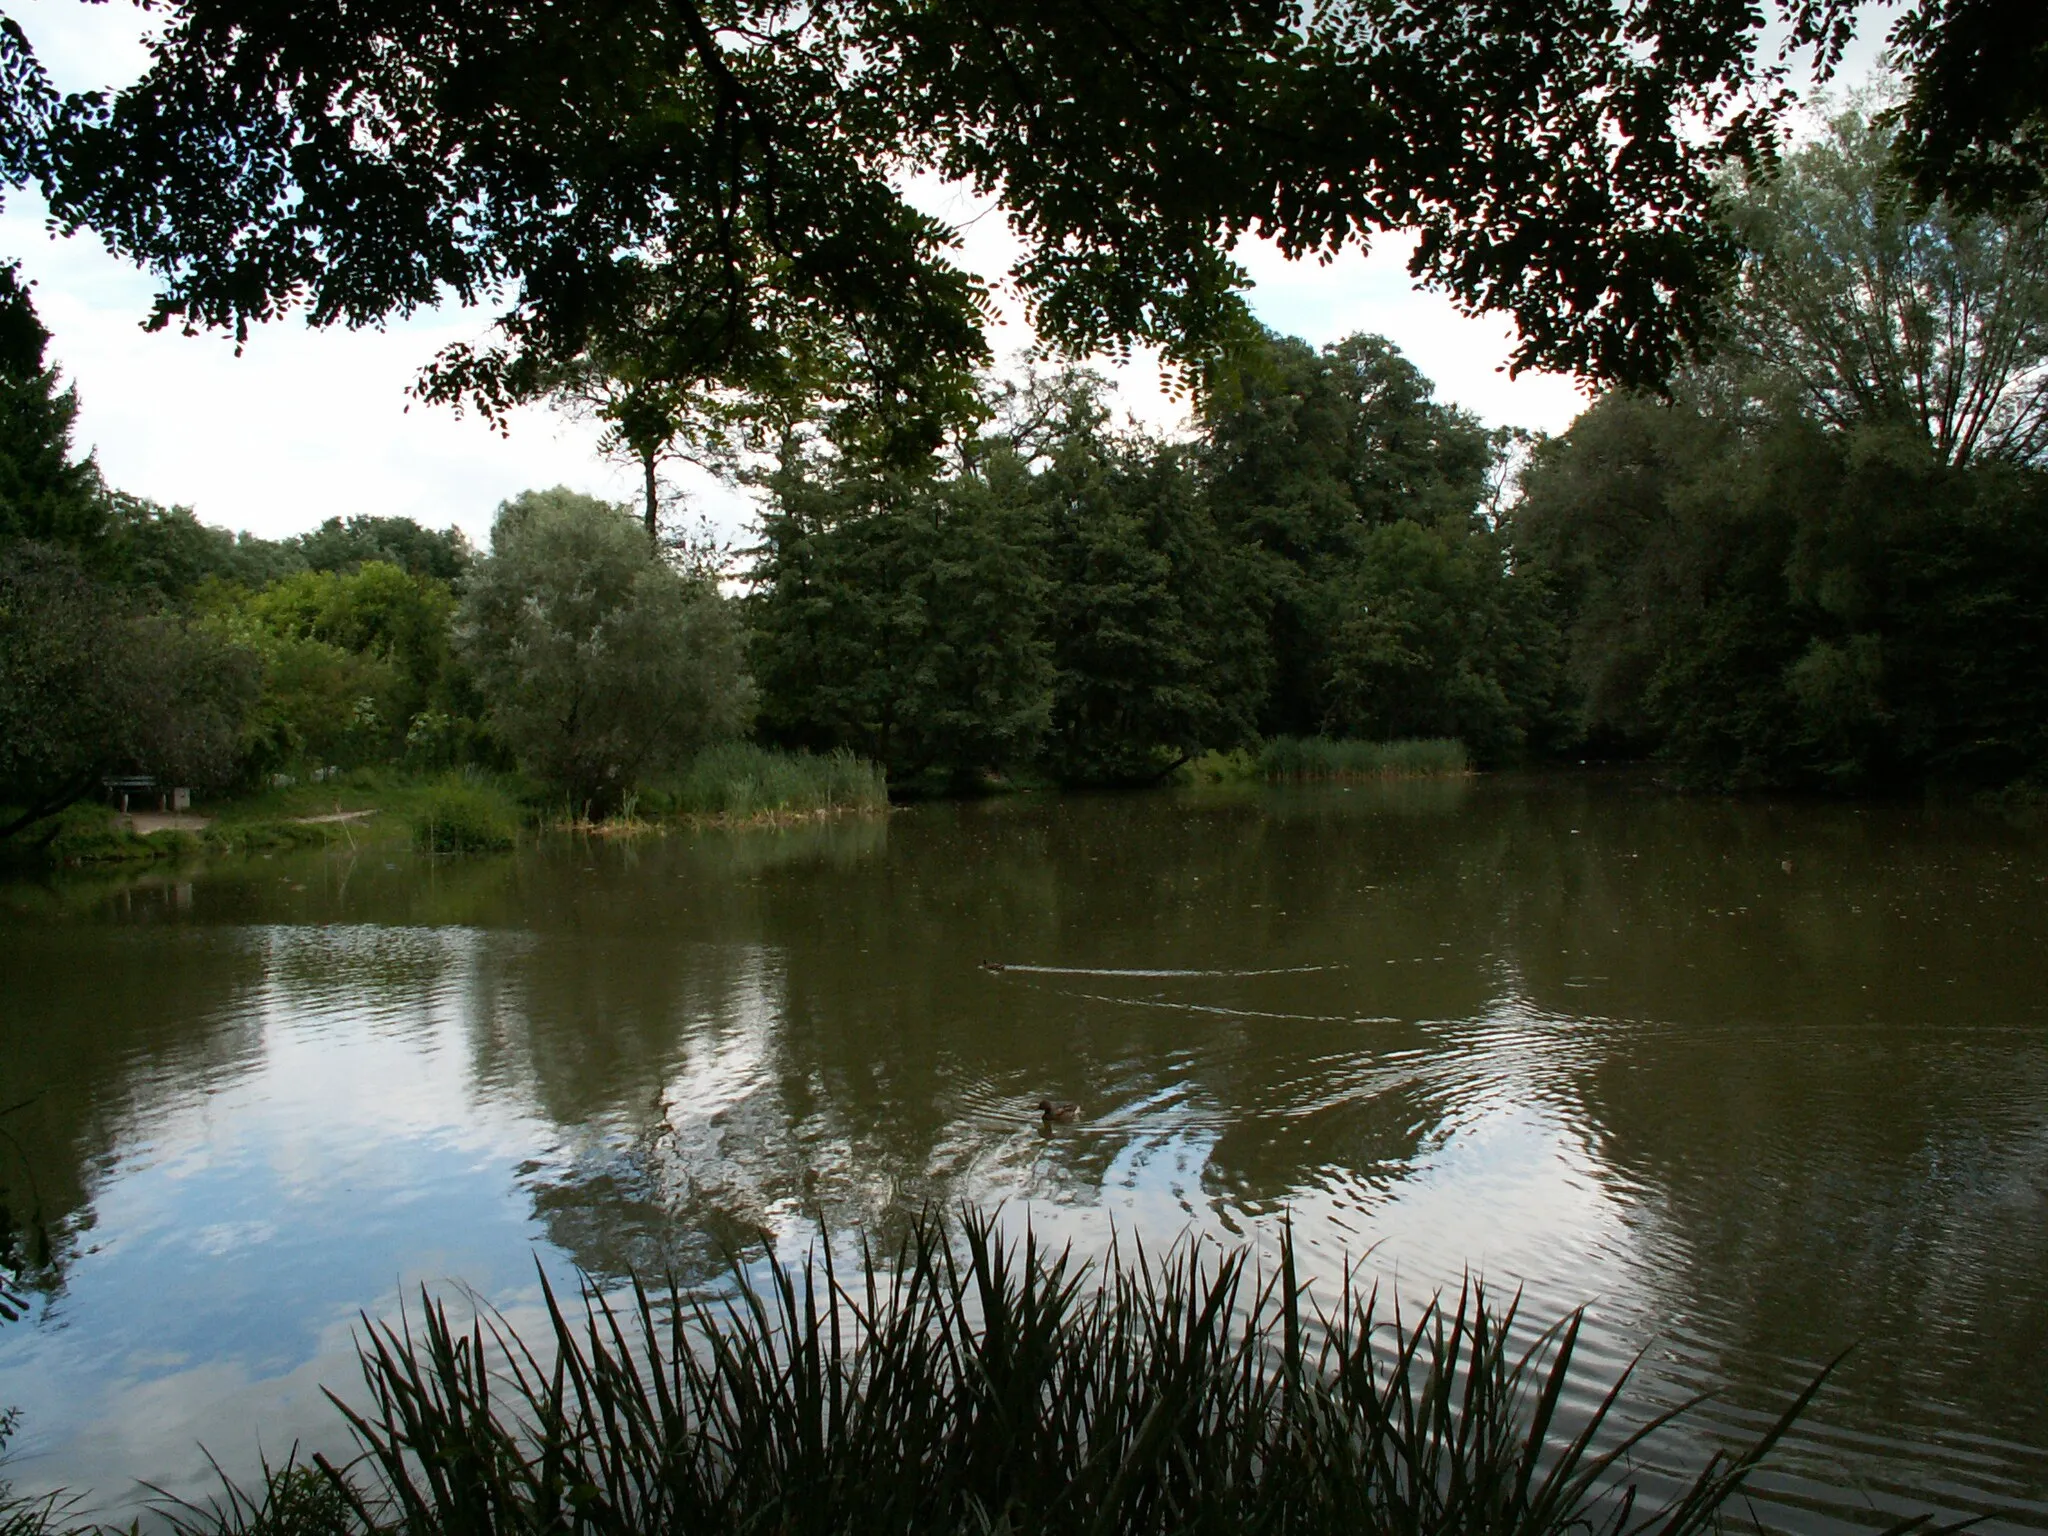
600, 664
1762, 599
1875, 307
1308, 453
901, 614
1155, 619
45, 493
346, 545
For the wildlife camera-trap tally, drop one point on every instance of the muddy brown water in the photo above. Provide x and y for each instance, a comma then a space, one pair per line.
1754, 1082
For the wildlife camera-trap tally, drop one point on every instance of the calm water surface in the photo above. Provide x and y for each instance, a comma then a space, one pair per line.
1756, 1082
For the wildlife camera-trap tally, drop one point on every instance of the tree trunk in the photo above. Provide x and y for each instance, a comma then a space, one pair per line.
653, 522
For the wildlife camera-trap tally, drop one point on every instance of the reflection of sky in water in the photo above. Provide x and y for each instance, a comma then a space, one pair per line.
416, 1105
236, 1234
365, 1150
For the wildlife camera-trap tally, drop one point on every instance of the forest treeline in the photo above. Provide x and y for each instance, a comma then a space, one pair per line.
1821, 559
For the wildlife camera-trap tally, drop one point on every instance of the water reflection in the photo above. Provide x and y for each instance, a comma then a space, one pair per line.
1756, 1080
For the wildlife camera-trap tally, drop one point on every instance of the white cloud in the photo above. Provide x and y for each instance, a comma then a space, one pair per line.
304, 425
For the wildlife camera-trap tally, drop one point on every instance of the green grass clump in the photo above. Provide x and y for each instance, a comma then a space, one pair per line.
1318, 757
970, 1385
1233, 767
740, 780
457, 816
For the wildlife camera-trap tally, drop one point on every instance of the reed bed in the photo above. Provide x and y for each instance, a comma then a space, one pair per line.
969, 1384
739, 781
1318, 757
456, 816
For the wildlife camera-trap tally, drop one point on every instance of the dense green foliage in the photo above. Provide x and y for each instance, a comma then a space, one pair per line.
1153, 621
1826, 561
1787, 605
343, 545
975, 1384
1060, 598
899, 617
354, 665
599, 663
461, 818
1296, 758
136, 640
738, 779
1394, 611
1819, 560
91, 684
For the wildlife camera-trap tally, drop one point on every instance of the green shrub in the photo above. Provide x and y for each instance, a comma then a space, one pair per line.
602, 665
1235, 767
738, 779
462, 817
970, 1385
1317, 757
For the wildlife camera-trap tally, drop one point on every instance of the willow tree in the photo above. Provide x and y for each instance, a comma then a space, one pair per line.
600, 663
1873, 306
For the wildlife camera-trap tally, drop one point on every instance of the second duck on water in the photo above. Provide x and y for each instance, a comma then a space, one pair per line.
1049, 1110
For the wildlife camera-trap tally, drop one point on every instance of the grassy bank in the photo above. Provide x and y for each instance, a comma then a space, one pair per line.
732, 785
1304, 759
972, 1385
367, 807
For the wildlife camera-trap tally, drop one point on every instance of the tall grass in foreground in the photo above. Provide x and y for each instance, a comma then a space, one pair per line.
1318, 757
741, 780
975, 1385
20, 1515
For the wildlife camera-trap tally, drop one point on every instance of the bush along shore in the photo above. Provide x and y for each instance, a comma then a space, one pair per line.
970, 1382
467, 811
732, 784
1301, 759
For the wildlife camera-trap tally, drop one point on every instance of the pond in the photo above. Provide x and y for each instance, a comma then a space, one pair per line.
1754, 1082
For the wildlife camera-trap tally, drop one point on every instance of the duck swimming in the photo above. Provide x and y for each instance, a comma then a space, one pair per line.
1062, 1110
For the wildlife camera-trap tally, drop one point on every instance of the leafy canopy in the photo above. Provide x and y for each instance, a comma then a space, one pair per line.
720, 181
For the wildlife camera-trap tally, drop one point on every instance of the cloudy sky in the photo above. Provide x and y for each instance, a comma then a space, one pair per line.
306, 424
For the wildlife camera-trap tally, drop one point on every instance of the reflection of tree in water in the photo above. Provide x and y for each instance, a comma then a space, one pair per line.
1645, 966
106, 1021
857, 1058
27, 1262
1807, 1057
1813, 1138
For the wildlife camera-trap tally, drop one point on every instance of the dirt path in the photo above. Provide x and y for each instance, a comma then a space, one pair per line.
334, 816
